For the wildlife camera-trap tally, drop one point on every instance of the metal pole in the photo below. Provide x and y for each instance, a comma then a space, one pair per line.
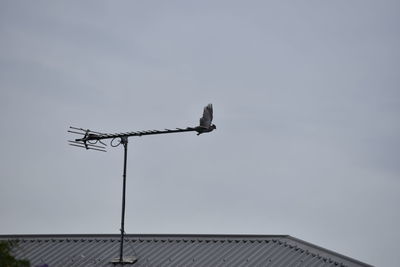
124, 142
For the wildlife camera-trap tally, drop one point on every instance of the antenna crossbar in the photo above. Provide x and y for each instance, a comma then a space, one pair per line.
89, 135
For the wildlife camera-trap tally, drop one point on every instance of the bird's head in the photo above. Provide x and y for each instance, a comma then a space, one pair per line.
213, 126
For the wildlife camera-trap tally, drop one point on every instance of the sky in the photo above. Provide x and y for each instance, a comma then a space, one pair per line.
306, 102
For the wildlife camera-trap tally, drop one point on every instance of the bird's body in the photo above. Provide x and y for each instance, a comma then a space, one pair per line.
206, 121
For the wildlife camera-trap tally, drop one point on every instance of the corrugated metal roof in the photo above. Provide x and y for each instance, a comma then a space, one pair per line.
175, 250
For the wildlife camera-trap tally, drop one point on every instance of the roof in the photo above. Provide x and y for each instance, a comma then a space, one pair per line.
175, 250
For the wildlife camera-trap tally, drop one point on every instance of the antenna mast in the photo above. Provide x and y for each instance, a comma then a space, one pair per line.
92, 140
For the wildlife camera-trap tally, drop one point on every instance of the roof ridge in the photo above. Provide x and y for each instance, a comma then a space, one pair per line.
142, 235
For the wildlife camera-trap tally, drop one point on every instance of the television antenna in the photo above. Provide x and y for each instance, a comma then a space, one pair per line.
91, 140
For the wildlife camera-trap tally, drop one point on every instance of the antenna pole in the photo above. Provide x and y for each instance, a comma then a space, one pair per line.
124, 142
91, 140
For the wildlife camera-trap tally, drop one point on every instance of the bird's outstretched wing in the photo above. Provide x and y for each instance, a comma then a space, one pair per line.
206, 120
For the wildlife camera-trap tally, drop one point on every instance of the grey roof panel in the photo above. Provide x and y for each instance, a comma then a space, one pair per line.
176, 250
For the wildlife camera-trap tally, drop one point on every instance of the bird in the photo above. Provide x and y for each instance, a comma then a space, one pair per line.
206, 121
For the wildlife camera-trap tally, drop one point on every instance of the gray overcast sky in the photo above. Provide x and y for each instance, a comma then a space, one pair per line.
306, 101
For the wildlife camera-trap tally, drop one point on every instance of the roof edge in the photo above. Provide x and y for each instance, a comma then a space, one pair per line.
10, 236
328, 251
